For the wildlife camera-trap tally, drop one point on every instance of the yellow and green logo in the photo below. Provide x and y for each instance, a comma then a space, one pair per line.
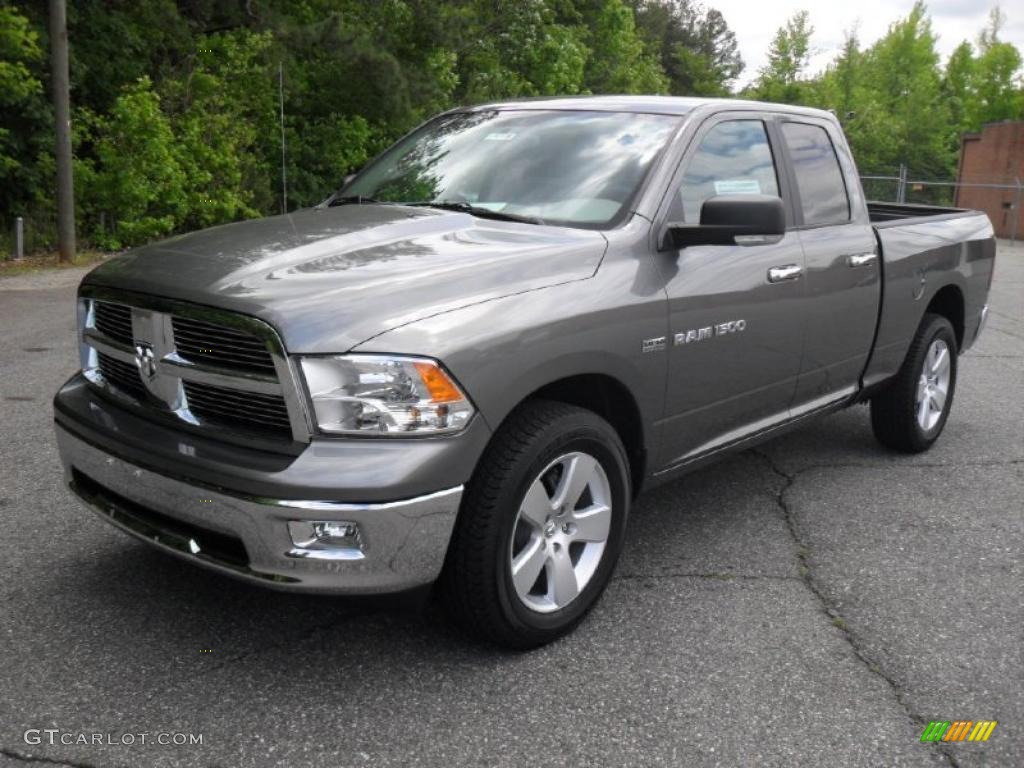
958, 730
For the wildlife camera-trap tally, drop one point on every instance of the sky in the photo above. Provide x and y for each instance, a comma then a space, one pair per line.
755, 23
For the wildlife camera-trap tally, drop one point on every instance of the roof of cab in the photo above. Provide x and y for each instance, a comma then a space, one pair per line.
662, 105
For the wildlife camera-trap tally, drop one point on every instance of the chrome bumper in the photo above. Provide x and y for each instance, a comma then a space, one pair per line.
393, 546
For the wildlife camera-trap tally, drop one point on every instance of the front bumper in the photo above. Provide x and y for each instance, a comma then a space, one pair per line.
982, 321
400, 544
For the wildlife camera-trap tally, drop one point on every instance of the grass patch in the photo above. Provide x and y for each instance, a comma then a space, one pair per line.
50, 260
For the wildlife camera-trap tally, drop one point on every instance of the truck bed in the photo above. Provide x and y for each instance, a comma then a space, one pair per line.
888, 214
923, 246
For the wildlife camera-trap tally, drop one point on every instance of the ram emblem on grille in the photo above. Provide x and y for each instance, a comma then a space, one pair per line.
145, 360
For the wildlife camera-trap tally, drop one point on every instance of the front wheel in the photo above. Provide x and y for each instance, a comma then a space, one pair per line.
909, 414
541, 526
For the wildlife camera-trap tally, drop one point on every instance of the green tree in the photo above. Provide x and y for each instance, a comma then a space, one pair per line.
697, 50
534, 54
989, 35
621, 63
848, 76
25, 118
139, 181
223, 119
116, 42
846, 88
997, 83
788, 57
176, 121
959, 90
903, 69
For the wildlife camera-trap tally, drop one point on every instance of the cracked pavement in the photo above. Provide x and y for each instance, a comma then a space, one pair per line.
814, 601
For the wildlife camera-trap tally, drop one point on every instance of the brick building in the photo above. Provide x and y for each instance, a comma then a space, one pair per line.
994, 156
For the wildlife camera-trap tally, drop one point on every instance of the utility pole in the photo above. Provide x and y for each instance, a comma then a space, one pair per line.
284, 163
62, 113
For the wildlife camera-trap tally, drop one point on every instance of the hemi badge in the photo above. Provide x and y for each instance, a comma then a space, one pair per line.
653, 345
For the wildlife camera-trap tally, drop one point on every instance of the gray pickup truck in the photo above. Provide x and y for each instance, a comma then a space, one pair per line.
462, 367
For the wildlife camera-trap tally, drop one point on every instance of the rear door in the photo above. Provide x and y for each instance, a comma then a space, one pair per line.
842, 271
735, 311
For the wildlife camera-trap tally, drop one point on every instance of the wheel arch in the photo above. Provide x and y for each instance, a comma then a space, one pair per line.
610, 399
948, 302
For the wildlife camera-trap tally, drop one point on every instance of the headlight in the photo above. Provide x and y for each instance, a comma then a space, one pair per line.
387, 396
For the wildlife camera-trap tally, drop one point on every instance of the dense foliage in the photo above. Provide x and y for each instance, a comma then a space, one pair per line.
897, 103
176, 102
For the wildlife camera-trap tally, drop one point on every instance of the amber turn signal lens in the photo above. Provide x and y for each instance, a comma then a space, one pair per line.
441, 388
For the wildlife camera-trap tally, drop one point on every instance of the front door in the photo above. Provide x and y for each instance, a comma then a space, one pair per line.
735, 311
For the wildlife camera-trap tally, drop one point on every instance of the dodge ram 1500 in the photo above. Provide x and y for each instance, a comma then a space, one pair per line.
462, 367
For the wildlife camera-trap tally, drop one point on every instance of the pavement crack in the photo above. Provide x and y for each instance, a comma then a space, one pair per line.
1011, 318
30, 758
901, 466
713, 576
803, 553
1007, 333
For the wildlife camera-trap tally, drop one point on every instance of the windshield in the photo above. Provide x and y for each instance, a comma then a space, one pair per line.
562, 167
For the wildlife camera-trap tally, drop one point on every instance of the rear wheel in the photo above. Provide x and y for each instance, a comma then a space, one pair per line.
541, 526
910, 413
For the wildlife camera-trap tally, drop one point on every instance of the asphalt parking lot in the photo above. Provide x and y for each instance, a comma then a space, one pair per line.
814, 602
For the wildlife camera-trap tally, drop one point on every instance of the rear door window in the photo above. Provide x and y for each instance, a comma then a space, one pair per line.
818, 176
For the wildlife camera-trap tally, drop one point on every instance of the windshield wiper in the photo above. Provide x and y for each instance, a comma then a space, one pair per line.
477, 210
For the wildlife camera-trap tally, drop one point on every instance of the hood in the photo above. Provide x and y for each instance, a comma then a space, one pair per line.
330, 278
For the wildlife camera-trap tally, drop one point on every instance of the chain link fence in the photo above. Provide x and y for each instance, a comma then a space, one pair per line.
1001, 199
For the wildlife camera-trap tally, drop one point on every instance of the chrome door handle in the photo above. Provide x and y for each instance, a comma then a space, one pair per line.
788, 272
861, 259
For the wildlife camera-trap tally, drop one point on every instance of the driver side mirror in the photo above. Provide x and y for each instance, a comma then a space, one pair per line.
723, 218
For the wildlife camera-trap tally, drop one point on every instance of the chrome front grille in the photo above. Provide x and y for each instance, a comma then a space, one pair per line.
124, 376
115, 321
220, 405
203, 342
206, 369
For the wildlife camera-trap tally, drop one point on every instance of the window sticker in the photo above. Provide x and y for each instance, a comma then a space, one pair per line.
499, 137
737, 187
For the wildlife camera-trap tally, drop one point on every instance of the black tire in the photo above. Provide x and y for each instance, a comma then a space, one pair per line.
894, 409
476, 584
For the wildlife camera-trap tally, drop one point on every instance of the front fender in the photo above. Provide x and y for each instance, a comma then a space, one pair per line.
503, 350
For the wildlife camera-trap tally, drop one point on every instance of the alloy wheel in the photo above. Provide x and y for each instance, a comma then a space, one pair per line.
560, 532
933, 385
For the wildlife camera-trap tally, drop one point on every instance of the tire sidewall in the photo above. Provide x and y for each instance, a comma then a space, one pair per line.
576, 433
